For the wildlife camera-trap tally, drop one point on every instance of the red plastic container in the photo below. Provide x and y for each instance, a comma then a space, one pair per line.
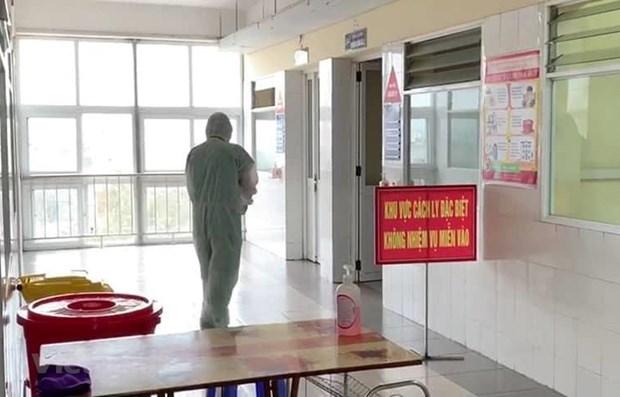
84, 316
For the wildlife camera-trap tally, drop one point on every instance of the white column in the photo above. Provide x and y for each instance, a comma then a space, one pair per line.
397, 280
336, 166
293, 170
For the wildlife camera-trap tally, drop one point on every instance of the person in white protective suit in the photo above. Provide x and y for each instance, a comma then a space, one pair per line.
221, 180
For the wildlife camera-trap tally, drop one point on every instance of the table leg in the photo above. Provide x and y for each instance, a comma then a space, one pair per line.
398, 385
275, 390
345, 385
295, 387
269, 392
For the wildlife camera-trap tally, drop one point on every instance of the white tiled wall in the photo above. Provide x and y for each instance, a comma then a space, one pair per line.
545, 299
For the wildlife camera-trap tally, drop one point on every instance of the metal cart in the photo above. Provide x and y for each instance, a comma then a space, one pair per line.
344, 385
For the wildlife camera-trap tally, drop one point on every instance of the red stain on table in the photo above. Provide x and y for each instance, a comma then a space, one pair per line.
277, 364
321, 327
272, 347
367, 354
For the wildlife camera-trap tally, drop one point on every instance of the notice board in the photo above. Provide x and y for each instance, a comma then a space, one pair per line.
511, 122
425, 224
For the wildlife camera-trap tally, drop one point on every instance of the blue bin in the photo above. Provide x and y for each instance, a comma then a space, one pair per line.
231, 391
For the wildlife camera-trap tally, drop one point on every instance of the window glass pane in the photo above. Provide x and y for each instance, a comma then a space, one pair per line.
200, 131
47, 72
163, 75
52, 145
586, 41
168, 207
54, 212
585, 165
166, 144
110, 206
463, 146
422, 100
216, 77
107, 143
419, 141
106, 74
465, 99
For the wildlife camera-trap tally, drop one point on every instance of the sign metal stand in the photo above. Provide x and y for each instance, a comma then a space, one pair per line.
429, 237
426, 356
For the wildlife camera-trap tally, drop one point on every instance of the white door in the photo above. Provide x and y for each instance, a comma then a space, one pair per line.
369, 170
311, 240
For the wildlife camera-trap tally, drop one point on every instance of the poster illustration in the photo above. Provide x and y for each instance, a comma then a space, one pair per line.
392, 129
511, 118
392, 132
280, 125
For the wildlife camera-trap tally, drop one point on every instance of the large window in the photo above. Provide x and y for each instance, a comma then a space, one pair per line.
584, 74
52, 145
463, 128
106, 126
444, 133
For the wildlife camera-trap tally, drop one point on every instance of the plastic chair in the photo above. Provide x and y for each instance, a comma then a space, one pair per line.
231, 391
228, 391
281, 385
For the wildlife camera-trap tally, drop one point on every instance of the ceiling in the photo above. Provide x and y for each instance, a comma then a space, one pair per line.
227, 4
301, 18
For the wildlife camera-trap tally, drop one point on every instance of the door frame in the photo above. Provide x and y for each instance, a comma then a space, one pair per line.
359, 145
311, 140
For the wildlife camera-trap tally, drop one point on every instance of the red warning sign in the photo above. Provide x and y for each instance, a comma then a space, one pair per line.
279, 103
392, 92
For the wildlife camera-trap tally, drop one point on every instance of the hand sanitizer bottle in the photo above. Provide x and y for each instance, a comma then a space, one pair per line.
348, 298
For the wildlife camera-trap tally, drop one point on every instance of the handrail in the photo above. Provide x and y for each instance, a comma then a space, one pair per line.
77, 176
59, 206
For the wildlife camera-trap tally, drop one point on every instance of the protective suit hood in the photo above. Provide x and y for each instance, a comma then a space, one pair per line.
219, 126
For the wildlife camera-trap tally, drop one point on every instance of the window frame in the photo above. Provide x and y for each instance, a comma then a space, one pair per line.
545, 170
140, 179
420, 171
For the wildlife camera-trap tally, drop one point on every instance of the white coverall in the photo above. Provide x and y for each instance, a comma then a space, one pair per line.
221, 180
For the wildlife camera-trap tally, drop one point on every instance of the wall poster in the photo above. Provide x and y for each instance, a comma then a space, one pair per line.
392, 109
280, 125
511, 118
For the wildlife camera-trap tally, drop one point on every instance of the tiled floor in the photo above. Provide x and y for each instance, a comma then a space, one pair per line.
272, 290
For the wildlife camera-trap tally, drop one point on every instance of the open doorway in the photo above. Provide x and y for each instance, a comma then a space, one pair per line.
265, 223
369, 99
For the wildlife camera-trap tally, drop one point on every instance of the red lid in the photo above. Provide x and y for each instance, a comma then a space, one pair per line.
93, 306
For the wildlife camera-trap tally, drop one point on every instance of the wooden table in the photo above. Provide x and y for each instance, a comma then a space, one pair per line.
158, 364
